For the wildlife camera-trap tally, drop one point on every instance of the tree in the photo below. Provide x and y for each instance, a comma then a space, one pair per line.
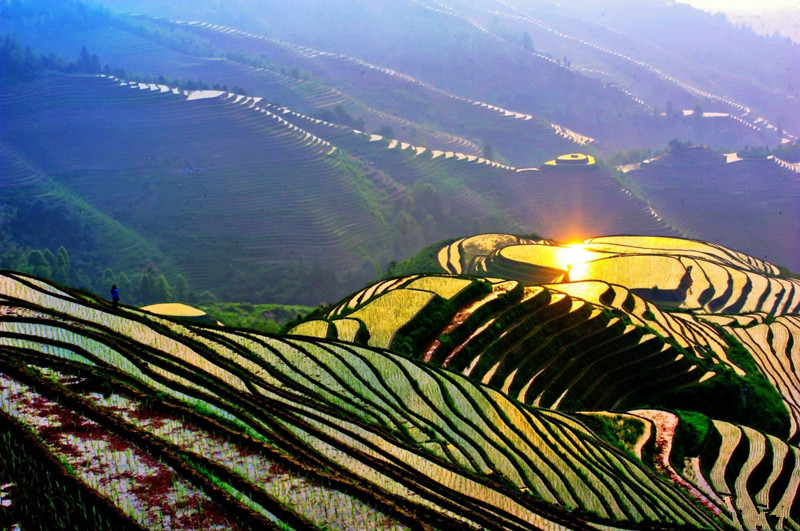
51, 258
62, 273
62, 258
527, 42
676, 147
147, 288
88, 64
38, 264
107, 280
125, 286
386, 131
161, 291
426, 200
181, 290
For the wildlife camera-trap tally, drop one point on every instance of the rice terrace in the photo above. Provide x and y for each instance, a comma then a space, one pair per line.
410, 264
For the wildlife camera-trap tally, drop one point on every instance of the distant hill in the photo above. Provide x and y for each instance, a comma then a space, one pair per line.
749, 204
206, 176
204, 195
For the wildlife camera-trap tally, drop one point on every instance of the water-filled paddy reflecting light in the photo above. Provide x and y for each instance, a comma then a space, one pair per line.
573, 258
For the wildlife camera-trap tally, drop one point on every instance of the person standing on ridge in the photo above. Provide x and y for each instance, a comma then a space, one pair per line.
114, 295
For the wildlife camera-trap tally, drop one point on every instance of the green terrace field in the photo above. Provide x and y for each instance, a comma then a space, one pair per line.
137, 420
719, 301
566, 346
750, 476
564, 205
672, 272
433, 400
576, 331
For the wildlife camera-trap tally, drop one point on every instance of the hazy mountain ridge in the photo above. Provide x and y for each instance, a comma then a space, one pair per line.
401, 92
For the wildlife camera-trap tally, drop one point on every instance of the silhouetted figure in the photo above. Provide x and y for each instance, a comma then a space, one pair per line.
566, 275
685, 285
115, 295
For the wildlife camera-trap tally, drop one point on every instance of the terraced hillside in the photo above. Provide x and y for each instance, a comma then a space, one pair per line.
133, 420
749, 204
672, 272
564, 203
576, 345
159, 174
384, 87
747, 475
606, 94
525, 138
30, 195
655, 321
720, 301
516, 122
429, 400
625, 47
284, 174
158, 177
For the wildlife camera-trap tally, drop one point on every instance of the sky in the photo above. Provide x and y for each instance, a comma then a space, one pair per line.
763, 16
738, 6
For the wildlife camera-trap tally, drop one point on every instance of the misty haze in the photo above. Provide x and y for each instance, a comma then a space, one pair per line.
400, 264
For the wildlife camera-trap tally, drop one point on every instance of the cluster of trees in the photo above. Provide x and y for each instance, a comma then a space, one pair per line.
190, 43
304, 282
676, 147
340, 116
19, 63
22, 62
424, 216
671, 113
144, 287
789, 152
631, 156
166, 34
43, 251
183, 84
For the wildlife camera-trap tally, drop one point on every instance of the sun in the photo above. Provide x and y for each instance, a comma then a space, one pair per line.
573, 258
